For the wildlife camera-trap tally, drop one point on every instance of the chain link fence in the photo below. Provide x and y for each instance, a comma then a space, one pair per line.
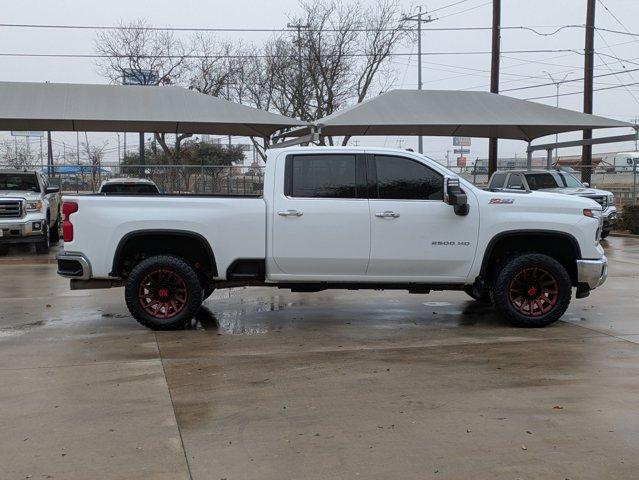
193, 179
249, 180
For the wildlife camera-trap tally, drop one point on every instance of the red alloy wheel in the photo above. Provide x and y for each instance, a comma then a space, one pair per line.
533, 292
163, 293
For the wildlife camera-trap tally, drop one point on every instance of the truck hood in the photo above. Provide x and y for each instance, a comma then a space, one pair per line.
26, 194
583, 191
546, 199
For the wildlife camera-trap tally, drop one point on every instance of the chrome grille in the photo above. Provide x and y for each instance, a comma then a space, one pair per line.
10, 208
601, 200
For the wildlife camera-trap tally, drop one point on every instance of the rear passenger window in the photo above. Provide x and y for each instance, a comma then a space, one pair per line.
322, 176
404, 179
498, 180
515, 182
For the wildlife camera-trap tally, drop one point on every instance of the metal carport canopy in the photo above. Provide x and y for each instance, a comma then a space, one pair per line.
455, 113
124, 108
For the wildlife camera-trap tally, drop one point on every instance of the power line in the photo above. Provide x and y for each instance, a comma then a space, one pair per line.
571, 80
448, 6
581, 91
464, 11
398, 54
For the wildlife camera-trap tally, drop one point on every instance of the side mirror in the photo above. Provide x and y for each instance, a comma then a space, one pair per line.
586, 184
53, 190
455, 196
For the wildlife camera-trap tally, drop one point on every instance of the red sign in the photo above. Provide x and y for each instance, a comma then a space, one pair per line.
461, 161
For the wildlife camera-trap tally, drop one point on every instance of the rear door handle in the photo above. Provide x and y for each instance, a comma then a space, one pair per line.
290, 213
387, 214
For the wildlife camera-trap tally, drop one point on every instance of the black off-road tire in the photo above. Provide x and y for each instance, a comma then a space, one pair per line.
55, 232
483, 298
43, 246
145, 285
543, 273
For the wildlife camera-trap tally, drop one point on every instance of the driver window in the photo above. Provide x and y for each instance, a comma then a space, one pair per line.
401, 178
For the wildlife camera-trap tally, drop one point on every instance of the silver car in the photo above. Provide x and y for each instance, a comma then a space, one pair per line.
557, 181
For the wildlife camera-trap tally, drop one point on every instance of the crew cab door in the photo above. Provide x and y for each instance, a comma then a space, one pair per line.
321, 220
415, 236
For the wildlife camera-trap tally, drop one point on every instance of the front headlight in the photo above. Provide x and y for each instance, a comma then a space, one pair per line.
589, 212
34, 206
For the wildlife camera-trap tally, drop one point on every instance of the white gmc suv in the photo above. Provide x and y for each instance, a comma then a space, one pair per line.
339, 217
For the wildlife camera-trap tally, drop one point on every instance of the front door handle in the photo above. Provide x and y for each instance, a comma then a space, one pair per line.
290, 213
387, 214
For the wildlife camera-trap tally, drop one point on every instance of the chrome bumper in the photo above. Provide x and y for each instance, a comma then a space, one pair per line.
74, 265
592, 272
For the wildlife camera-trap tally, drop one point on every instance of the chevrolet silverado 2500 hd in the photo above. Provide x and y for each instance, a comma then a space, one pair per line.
339, 217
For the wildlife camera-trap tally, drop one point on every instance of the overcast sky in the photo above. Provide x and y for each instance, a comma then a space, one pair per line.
442, 71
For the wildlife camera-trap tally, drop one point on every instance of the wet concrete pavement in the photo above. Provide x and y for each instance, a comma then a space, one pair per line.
268, 384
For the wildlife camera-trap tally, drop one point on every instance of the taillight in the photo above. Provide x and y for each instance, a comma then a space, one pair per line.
67, 227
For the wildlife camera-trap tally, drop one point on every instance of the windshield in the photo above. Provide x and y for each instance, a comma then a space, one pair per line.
569, 180
539, 181
19, 182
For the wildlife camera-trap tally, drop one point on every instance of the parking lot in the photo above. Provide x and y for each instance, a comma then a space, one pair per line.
270, 384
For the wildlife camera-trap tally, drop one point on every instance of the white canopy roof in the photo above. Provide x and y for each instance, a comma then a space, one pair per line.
118, 108
456, 113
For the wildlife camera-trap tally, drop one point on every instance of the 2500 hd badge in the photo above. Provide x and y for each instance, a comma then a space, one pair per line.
452, 243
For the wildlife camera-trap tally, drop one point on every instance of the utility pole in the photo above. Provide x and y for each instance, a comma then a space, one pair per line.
557, 85
589, 52
119, 157
300, 83
494, 80
637, 139
49, 153
142, 160
420, 17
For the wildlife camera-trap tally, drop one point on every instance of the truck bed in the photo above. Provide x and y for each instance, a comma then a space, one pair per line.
235, 226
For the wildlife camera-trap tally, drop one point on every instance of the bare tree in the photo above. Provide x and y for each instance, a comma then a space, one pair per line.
342, 54
17, 155
153, 57
95, 155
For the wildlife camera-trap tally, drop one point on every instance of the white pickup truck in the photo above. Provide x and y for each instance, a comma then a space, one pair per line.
339, 218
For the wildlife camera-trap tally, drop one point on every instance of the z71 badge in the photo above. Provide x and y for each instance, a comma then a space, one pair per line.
501, 201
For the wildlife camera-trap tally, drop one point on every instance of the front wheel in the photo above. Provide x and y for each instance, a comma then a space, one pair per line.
163, 292
532, 290
44, 245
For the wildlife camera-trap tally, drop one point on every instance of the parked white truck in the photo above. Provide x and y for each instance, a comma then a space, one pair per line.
29, 210
339, 218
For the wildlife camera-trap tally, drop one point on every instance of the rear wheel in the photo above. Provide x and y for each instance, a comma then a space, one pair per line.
532, 290
163, 292
43, 246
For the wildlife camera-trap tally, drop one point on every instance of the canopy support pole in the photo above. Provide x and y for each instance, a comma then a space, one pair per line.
529, 157
549, 158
